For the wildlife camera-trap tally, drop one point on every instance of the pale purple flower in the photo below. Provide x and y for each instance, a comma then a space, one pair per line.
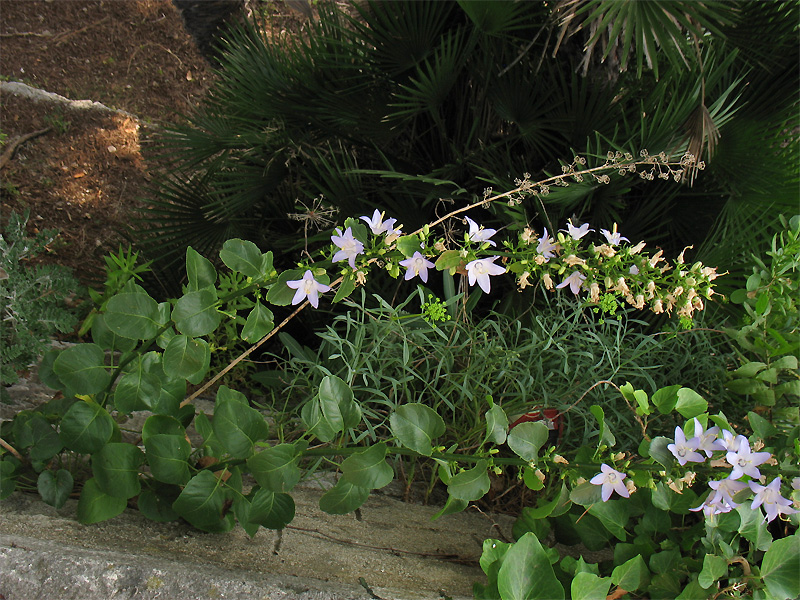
707, 440
611, 480
713, 506
578, 232
546, 246
634, 270
574, 281
379, 226
796, 483
613, 237
730, 442
349, 246
685, 450
725, 490
479, 270
479, 234
745, 462
769, 497
417, 265
307, 287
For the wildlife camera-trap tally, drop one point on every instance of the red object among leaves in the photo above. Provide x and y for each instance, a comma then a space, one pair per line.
550, 417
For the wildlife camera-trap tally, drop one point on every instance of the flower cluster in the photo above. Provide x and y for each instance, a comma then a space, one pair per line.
730, 492
558, 261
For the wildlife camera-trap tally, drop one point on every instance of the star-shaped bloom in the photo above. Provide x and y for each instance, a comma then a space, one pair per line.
546, 246
379, 226
574, 281
769, 497
479, 234
307, 287
725, 490
613, 238
578, 232
417, 265
707, 440
349, 246
713, 506
611, 480
745, 462
730, 442
685, 450
479, 270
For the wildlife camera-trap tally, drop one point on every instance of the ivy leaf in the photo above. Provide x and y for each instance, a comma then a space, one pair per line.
86, 427
55, 488
526, 439
588, 586
632, 575
714, 568
471, 484
196, 313
368, 469
82, 368
275, 468
116, 469
94, 505
416, 426
343, 498
780, 566
526, 572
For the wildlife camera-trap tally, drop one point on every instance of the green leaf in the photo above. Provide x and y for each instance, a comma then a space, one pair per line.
659, 452
745, 386
345, 288
666, 398
588, 586
690, 403
105, 338
749, 370
631, 575
272, 510
614, 515
116, 469
242, 256
780, 566
786, 362
451, 507
604, 436
94, 505
200, 271
133, 315
8, 478
714, 568
156, 507
196, 313
667, 499
201, 503
315, 422
167, 456
416, 426
86, 427
137, 391
185, 357
259, 323
338, 404
636, 397
45, 441
496, 425
238, 427
343, 498
276, 468
281, 294
82, 368
55, 488
471, 484
526, 439
368, 469
526, 572
761, 427
449, 259
408, 244
162, 424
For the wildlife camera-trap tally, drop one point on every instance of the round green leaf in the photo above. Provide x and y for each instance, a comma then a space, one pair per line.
238, 427
338, 403
780, 567
86, 427
343, 498
526, 439
690, 403
275, 468
368, 469
185, 356
201, 503
95, 505
167, 456
259, 323
271, 510
155, 507
82, 368
136, 391
8, 478
416, 426
45, 442
526, 572
55, 488
104, 337
242, 256
162, 424
196, 313
133, 315
116, 469
471, 484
